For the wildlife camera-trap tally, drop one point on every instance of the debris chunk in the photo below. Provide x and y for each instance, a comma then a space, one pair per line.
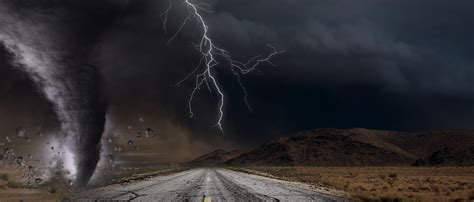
21, 132
19, 161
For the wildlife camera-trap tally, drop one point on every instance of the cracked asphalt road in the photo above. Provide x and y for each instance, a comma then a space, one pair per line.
208, 184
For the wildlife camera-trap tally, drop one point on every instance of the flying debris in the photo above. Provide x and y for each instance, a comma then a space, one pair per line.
19, 161
130, 143
149, 132
139, 135
118, 149
110, 139
39, 181
8, 139
21, 132
141, 120
204, 72
5, 150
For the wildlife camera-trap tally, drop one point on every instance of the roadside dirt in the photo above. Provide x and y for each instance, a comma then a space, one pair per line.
383, 183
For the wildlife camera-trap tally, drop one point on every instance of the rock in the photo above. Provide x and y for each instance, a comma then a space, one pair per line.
21, 132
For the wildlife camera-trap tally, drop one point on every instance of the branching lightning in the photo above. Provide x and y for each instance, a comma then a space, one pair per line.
203, 73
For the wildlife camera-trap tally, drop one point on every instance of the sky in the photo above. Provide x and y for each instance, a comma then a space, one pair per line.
391, 65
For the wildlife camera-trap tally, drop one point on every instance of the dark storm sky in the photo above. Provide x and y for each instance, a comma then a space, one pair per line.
381, 64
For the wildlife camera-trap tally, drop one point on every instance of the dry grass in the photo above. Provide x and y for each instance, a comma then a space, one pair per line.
385, 183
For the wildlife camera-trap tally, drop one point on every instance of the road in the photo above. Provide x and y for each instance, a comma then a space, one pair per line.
208, 184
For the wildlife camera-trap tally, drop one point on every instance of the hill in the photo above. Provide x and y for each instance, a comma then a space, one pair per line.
363, 147
214, 158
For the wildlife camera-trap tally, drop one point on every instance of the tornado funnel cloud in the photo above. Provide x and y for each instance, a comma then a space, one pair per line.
73, 88
89, 115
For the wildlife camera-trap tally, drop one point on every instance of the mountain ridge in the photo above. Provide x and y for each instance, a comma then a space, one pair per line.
363, 147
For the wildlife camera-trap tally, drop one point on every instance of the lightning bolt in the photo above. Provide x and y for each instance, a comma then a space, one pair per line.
203, 73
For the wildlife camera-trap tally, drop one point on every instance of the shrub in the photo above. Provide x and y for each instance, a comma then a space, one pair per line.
14, 184
53, 189
392, 175
4, 177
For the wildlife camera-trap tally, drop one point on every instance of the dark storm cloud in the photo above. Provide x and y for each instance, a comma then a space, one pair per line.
401, 65
369, 63
405, 45
142, 70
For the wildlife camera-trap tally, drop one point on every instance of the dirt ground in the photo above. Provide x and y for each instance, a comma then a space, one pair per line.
384, 183
13, 189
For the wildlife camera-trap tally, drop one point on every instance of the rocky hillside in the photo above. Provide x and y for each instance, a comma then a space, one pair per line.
363, 147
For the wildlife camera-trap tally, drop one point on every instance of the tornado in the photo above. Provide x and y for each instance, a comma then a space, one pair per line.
46, 44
